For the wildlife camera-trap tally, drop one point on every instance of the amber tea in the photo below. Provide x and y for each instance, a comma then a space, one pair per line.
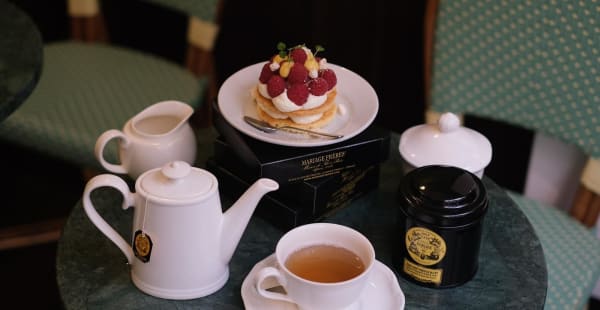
325, 263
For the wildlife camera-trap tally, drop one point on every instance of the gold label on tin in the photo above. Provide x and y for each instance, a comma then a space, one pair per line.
422, 274
425, 246
142, 246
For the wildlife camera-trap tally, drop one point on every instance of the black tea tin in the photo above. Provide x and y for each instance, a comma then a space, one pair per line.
439, 225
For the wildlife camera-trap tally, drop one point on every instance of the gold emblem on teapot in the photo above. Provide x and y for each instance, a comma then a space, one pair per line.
142, 246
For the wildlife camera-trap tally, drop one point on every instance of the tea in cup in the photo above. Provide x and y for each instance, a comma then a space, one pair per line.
320, 266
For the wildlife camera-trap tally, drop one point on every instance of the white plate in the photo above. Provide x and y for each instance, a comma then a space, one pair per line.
355, 97
382, 292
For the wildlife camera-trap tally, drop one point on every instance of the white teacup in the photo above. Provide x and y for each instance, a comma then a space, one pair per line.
317, 294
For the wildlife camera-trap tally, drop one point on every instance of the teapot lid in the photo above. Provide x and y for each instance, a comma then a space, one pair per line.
177, 182
445, 143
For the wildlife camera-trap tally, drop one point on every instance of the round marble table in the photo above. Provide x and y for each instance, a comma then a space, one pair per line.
21, 51
92, 272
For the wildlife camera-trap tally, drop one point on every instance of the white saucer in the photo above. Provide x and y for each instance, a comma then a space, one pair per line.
382, 292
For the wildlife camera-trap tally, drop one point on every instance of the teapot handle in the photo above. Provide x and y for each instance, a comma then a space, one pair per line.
101, 143
128, 200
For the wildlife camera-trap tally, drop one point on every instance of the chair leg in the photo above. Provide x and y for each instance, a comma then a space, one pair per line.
202, 118
31, 234
586, 207
89, 29
593, 211
201, 63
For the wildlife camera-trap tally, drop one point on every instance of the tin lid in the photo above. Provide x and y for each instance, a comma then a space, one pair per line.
444, 196
445, 143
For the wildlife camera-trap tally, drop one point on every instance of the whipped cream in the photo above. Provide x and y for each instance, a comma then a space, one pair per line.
284, 104
306, 119
296, 119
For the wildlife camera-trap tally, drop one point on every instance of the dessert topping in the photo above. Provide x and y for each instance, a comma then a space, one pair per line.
298, 93
265, 74
299, 73
329, 76
318, 86
275, 85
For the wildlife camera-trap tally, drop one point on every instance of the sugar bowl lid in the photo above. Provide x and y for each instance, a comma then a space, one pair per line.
177, 182
445, 143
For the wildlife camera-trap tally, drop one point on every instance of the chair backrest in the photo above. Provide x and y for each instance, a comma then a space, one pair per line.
203, 25
87, 24
203, 21
203, 28
533, 64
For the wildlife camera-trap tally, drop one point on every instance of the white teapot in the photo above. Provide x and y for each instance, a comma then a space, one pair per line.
157, 135
182, 241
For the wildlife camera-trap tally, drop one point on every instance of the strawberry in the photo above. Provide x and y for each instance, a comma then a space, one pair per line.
318, 86
329, 76
298, 74
298, 55
265, 74
275, 85
298, 93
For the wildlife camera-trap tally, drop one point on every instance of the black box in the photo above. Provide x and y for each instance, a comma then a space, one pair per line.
313, 181
251, 158
305, 201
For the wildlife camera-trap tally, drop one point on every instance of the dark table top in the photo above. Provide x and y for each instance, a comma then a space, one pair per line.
21, 51
92, 272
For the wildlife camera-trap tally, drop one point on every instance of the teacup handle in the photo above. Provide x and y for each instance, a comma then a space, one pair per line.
271, 272
101, 143
128, 200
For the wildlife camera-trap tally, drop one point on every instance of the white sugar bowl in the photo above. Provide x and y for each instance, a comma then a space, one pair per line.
445, 143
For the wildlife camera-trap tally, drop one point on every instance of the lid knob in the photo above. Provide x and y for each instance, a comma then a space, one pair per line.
448, 122
176, 169
177, 181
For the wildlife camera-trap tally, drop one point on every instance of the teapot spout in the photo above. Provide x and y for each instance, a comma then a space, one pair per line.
236, 218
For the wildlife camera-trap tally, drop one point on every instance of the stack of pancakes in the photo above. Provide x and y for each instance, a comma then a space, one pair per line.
327, 109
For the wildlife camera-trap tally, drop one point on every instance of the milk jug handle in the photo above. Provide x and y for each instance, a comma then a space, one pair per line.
101, 144
128, 200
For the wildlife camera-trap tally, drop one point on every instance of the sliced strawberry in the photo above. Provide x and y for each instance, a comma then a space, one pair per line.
298, 93
275, 85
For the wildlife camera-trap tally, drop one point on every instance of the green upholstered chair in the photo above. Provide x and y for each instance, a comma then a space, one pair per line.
533, 64
88, 86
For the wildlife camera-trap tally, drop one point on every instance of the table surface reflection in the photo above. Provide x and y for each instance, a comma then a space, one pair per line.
92, 272
21, 52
